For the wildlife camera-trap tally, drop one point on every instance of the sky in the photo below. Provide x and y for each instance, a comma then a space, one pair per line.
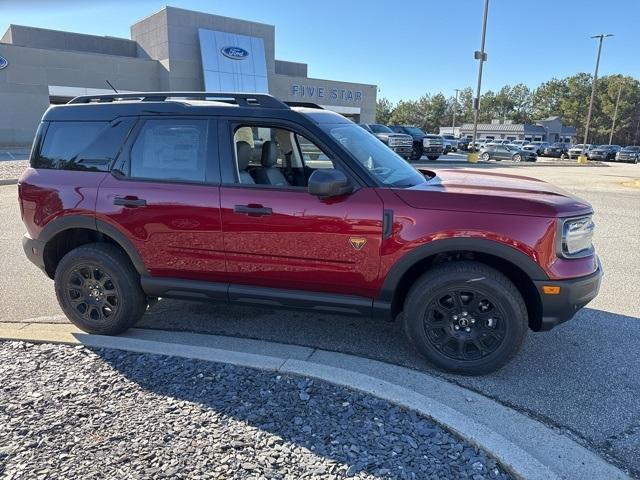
406, 47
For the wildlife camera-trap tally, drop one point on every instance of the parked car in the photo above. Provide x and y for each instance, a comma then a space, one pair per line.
540, 146
433, 146
130, 197
604, 152
398, 142
504, 152
450, 142
418, 137
557, 150
430, 145
628, 154
463, 144
576, 150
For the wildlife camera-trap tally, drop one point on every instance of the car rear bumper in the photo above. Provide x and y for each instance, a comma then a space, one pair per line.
574, 294
34, 250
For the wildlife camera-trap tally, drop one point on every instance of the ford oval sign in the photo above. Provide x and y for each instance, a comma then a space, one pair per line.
3, 63
234, 53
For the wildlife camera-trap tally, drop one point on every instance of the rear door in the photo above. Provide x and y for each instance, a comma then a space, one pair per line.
164, 195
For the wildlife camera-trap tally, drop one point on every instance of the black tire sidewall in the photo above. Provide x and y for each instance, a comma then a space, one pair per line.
494, 283
132, 301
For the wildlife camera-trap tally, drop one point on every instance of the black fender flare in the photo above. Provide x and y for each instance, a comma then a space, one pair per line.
478, 245
90, 222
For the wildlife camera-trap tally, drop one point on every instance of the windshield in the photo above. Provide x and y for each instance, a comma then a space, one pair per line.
580, 145
604, 147
377, 128
415, 130
386, 166
631, 149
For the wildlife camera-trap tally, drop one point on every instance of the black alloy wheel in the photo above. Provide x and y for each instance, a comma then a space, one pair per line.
465, 317
92, 292
465, 324
99, 289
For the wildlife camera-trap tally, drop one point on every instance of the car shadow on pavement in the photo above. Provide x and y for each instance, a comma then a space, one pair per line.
583, 376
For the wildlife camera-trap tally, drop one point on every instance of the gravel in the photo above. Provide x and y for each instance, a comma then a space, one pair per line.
72, 412
12, 169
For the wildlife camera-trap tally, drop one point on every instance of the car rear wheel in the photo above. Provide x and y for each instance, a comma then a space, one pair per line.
99, 290
486, 157
465, 317
562, 156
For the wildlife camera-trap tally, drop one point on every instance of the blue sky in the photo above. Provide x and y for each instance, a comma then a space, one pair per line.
406, 47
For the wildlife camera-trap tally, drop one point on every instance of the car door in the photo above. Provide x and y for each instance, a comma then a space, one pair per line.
163, 195
502, 153
279, 236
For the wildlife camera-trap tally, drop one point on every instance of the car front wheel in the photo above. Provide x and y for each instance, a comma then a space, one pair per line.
99, 290
416, 153
465, 317
517, 157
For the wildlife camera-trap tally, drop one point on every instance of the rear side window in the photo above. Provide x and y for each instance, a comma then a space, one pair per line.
170, 150
91, 146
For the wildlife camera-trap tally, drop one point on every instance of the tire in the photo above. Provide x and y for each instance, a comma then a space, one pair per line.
99, 289
486, 157
517, 157
433, 157
416, 154
490, 327
563, 156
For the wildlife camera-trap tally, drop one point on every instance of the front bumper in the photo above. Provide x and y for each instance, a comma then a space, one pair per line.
34, 250
574, 294
402, 150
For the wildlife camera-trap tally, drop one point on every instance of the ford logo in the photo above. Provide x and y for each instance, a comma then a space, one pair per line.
234, 53
3, 63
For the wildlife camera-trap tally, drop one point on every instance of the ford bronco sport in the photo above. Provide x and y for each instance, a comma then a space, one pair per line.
131, 197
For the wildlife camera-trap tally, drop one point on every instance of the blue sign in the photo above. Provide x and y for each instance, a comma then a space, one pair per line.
234, 53
3, 63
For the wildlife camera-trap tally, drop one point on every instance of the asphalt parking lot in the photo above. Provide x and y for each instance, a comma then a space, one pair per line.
582, 378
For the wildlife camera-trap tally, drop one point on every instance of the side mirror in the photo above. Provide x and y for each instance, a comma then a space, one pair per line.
329, 182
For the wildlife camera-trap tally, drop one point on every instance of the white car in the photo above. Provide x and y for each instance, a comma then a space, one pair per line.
576, 150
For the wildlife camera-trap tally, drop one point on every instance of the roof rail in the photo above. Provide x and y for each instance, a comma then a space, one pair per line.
305, 104
241, 99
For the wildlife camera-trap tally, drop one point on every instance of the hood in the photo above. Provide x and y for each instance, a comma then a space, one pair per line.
481, 191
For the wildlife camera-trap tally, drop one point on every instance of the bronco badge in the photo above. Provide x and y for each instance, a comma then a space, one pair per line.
357, 242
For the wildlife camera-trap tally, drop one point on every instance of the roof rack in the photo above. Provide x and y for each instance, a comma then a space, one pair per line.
242, 99
304, 104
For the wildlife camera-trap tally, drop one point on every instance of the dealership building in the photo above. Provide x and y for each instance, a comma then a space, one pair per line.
173, 49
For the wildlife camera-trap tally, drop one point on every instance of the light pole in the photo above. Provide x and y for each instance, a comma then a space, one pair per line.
601, 37
481, 56
615, 113
455, 107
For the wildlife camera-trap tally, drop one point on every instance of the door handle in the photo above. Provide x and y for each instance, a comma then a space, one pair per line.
252, 210
130, 201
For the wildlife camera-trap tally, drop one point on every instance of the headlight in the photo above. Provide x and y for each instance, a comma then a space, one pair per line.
576, 237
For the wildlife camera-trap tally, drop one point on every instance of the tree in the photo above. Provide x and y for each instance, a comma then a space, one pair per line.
384, 108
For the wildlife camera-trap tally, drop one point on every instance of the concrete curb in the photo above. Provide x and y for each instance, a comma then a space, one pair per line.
11, 181
527, 448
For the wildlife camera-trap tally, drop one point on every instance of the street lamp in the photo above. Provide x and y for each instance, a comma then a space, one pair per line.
481, 56
455, 107
601, 37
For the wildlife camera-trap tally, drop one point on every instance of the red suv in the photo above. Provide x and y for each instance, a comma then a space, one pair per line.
242, 198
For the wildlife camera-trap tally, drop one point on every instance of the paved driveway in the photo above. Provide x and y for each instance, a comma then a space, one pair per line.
583, 377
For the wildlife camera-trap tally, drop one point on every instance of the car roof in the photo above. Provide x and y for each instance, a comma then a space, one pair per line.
110, 107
